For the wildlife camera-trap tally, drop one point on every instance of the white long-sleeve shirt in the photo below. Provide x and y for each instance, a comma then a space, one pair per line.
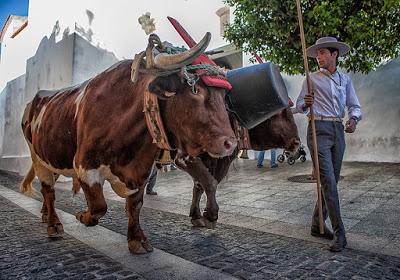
332, 93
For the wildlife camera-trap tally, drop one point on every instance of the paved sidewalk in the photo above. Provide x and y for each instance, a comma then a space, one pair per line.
263, 199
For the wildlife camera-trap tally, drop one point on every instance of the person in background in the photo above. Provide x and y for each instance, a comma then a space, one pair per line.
152, 181
272, 161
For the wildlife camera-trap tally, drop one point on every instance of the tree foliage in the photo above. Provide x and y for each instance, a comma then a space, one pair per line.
271, 28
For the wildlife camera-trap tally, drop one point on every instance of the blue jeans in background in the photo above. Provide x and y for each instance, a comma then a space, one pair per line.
152, 181
272, 162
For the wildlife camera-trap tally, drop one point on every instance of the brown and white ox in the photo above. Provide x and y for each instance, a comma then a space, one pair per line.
97, 131
280, 131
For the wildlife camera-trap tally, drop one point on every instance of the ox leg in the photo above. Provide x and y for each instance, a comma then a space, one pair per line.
49, 215
195, 212
47, 180
96, 204
200, 173
210, 213
44, 212
137, 241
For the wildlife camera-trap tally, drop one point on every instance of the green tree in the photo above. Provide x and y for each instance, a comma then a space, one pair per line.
271, 28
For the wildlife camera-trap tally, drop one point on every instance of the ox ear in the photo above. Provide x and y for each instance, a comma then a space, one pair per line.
165, 87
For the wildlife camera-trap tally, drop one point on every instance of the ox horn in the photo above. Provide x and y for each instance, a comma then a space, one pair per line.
175, 61
121, 190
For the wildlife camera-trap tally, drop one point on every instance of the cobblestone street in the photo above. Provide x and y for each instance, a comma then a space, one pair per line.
263, 229
26, 254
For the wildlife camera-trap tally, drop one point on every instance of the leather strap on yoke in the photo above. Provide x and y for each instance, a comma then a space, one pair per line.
164, 158
154, 122
242, 136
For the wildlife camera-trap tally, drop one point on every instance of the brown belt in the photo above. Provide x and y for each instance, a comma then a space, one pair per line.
331, 119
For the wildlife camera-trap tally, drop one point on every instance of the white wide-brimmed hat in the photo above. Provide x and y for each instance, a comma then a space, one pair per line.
327, 42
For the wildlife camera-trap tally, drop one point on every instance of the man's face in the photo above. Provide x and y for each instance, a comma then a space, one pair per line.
325, 58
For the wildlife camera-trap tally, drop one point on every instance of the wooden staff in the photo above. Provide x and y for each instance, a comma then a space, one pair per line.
314, 137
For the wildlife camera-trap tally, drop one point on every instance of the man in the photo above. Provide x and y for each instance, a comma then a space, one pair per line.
333, 90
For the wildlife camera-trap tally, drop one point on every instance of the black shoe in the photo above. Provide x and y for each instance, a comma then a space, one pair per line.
151, 193
338, 243
274, 165
259, 165
327, 233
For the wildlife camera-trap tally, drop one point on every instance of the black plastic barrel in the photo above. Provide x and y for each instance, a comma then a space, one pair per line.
258, 92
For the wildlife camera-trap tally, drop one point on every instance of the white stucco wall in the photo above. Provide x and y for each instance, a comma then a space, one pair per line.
378, 136
51, 66
89, 60
14, 99
3, 96
13, 149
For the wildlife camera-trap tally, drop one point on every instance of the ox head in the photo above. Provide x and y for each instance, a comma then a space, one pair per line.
279, 131
194, 116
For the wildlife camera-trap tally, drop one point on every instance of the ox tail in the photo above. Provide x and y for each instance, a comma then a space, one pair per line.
26, 185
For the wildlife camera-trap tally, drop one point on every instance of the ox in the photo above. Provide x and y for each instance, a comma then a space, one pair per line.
279, 131
97, 131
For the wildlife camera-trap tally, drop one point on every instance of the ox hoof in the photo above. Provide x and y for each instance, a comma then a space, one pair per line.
147, 246
198, 223
55, 231
136, 247
80, 216
208, 223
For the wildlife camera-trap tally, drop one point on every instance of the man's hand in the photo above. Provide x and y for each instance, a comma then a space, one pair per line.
308, 100
350, 126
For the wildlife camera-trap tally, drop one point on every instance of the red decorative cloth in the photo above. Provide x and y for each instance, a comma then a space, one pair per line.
211, 81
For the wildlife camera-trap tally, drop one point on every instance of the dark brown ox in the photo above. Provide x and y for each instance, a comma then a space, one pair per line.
97, 131
280, 131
